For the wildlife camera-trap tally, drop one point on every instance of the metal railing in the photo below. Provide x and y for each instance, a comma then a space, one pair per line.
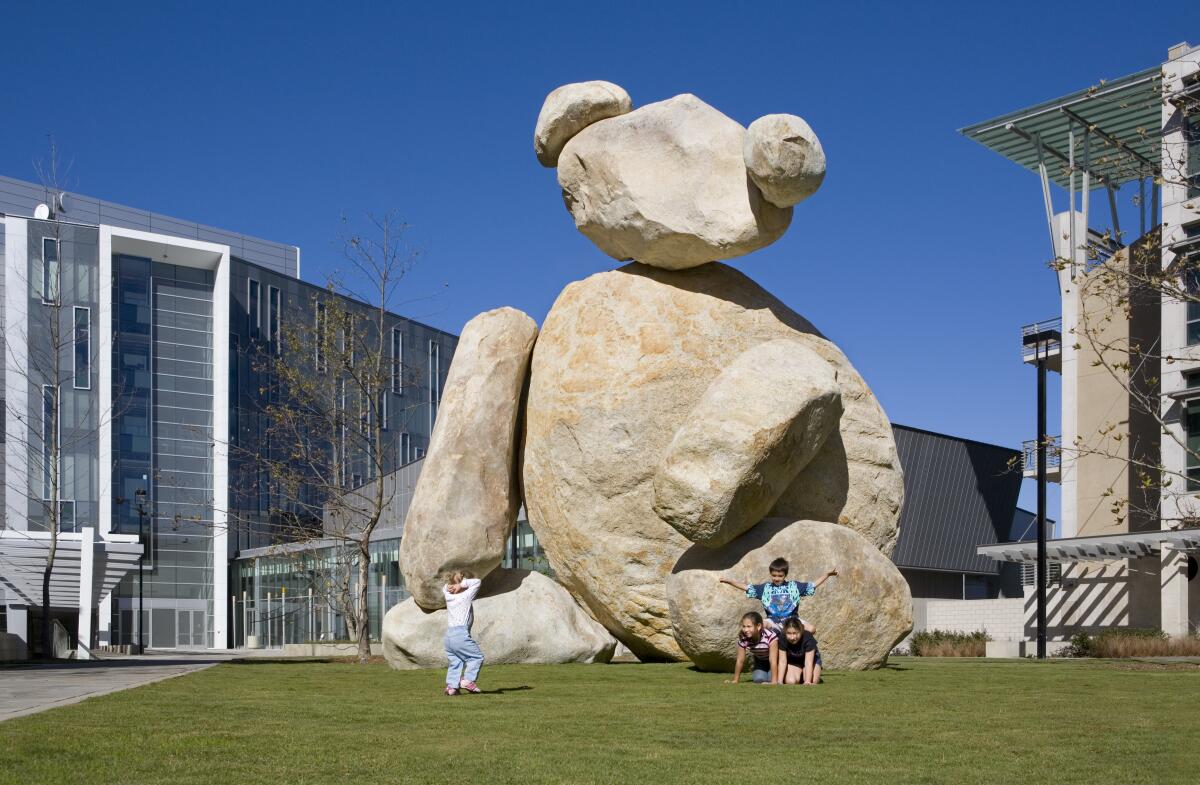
1053, 455
1029, 350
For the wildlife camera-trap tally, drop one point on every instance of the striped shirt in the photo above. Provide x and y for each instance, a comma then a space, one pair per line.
761, 649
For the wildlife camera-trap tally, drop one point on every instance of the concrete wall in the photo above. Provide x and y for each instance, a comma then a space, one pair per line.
1002, 619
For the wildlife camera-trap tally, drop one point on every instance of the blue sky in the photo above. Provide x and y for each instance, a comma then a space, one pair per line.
921, 255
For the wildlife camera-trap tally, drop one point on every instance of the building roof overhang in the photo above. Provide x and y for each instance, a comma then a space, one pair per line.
1131, 545
23, 560
1121, 119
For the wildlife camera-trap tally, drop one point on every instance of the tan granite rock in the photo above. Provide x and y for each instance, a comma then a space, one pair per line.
520, 617
666, 184
571, 108
785, 159
859, 615
623, 357
466, 500
753, 430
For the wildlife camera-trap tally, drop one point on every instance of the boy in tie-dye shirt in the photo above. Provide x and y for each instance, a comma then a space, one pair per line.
780, 597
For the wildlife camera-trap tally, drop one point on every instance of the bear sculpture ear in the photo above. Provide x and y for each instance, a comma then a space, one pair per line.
784, 158
571, 108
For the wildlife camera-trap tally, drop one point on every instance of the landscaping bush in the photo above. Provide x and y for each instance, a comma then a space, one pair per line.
1121, 642
943, 643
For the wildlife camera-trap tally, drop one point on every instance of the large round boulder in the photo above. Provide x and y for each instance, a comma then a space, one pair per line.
666, 184
859, 615
622, 359
520, 617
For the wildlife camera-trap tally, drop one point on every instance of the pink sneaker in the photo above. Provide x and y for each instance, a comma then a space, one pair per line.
470, 686
451, 691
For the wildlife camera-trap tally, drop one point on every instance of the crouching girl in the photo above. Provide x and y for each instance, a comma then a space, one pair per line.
763, 648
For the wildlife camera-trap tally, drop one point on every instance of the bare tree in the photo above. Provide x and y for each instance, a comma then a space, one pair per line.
329, 381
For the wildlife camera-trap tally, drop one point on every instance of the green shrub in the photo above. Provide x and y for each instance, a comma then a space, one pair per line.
944, 643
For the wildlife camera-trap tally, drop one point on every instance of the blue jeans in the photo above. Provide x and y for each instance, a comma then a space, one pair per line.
761, 675
463, 653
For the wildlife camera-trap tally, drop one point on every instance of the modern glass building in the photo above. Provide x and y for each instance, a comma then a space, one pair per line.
141, 332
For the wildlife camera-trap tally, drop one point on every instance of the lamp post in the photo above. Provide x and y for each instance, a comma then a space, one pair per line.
1041, 341
140, 495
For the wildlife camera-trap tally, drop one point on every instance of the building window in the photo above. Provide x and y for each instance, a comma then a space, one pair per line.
1191, 139
319, 327
405, 449
273, 318
254, 307
51, 428
1192, 427
435, 381
1191, 285
418, 454
397, 361
83, 348
50, 271
383, 412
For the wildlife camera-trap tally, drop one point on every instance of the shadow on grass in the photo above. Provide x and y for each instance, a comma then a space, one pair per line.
502, 690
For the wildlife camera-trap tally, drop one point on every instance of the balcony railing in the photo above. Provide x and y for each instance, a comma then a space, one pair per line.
1053, 458
1046, 336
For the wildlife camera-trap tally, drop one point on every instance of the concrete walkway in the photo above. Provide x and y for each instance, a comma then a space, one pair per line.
28, 689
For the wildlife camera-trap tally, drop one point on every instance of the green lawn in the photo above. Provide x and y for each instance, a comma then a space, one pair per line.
943, 721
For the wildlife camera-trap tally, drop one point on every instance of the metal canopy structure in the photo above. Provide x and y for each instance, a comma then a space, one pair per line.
1102, 548
23, 558
1113, 130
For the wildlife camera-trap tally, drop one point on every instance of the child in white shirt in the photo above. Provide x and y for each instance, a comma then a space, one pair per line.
464, 653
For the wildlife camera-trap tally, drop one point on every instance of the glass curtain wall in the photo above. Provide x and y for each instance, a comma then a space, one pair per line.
163, 380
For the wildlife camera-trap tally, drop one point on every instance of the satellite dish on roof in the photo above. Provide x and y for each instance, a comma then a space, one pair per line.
41, 212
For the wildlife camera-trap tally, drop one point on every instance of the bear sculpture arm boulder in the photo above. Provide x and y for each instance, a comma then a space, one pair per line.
756, 427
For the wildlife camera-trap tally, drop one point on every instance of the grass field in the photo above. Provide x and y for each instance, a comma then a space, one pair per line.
918, 721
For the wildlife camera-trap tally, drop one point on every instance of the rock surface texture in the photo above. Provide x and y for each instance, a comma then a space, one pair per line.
520, 617
571, 108
666, 184
785, 159
622, 360
859, 616
466, 500
753, 430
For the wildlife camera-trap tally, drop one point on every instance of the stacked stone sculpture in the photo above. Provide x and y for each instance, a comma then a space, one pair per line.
672, 421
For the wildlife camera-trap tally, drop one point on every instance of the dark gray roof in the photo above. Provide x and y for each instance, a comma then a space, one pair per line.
957, 494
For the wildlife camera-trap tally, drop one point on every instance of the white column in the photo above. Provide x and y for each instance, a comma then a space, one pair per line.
104, 482
1174, 582
87, 561
16, 369
220, 333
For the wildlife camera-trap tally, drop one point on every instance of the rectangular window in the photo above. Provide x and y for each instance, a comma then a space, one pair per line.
1191, 286
1192, 426
50, 271
405, 449
1191, 139
383, 411
50, 441
435, 381
273, 318
254, 307
397, 361
418, 454
319, 328
83, 348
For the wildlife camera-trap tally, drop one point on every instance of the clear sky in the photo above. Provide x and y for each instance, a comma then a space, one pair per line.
921, 256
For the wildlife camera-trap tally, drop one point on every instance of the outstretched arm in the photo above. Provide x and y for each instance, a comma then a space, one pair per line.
773, 655
817, 583
733, 583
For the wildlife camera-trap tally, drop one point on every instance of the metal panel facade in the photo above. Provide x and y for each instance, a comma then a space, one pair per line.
957, 494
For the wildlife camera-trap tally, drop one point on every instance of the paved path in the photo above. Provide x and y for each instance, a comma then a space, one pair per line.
29, 689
